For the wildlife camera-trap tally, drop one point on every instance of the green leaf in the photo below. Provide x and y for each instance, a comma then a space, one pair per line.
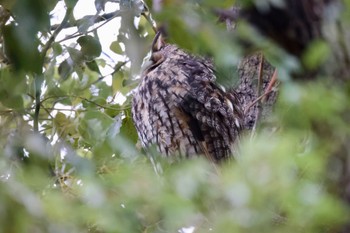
104, 90
113, 110
22, 50
316, 54
115, 47
128, 130
57, 48
85, 23
114, 130
13, 83
65, 69
90, 47
32, 18
118, 83
63, 124
11, 101
217, 4
122, 137
75, 55
93, 126
92, 65
8, 4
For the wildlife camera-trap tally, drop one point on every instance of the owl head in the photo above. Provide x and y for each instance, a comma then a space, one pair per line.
160, 51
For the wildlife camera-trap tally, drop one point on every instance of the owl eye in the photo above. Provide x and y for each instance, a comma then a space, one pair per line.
157, 58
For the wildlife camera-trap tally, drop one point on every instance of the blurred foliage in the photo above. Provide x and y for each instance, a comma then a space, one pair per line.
69, 160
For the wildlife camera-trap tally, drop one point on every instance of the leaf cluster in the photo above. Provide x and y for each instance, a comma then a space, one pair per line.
70, 161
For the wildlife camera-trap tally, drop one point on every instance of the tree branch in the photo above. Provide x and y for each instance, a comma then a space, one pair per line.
76, 34
258, 99
83, 98
117, 68
98, 19
57, 30
260, 81
38, 80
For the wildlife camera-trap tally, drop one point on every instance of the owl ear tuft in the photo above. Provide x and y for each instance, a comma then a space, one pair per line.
158, 42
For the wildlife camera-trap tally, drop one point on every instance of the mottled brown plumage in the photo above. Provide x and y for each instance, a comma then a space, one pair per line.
179, 108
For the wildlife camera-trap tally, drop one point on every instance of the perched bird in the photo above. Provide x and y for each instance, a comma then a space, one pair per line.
180, 108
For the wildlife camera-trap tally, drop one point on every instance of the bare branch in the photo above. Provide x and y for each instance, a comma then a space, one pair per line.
99, 18
259, 99
260, 81
37, 82
56, 31
117, 68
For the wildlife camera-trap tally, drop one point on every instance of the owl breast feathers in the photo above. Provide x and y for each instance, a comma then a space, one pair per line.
179, 108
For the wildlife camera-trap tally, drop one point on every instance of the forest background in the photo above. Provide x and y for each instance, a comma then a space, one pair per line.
69, 160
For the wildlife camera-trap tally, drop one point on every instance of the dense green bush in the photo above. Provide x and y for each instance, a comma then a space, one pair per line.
69, 160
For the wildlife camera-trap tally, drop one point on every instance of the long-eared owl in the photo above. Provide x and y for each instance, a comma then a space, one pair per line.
179, 107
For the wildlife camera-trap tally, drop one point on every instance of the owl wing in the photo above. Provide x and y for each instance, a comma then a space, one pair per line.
214, 118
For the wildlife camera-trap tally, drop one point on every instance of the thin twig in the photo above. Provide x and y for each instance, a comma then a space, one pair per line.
58, 29
342, 43
150, 21
271, 83
43, 130
258, 99
83, 98
37, 85
117, 68
76, 34
260, 81
100, 18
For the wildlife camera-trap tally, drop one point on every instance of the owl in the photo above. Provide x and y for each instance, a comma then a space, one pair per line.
179, 107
